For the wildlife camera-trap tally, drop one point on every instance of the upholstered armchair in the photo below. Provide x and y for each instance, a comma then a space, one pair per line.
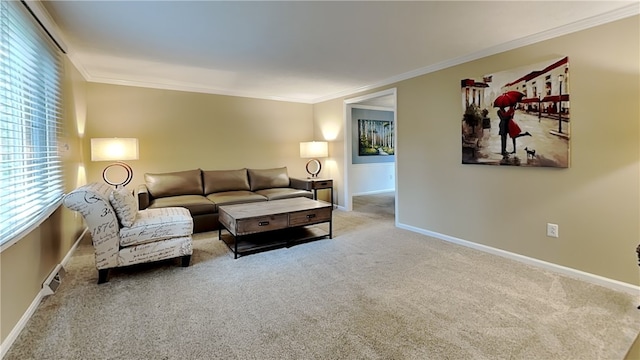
122, 235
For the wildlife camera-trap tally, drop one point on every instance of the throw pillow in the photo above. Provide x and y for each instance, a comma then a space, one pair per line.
125, 206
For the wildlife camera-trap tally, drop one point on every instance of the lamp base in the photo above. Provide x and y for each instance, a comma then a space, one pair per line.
125, 182
314, 172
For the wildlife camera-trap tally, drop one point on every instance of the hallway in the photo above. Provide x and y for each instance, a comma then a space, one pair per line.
380, 204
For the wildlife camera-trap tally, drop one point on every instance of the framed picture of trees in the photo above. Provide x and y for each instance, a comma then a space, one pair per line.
375, 137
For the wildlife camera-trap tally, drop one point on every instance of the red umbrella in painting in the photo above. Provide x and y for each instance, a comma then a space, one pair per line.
507, 99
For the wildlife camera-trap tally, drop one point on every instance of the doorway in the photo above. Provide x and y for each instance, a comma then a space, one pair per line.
386, 101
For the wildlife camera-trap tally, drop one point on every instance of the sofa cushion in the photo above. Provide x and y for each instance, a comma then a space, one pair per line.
224, 180
268, 178
234, 197
196, 204
125, 206
284, 193
175, 183
152, 225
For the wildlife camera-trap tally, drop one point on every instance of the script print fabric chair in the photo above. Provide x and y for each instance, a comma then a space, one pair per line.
121, 235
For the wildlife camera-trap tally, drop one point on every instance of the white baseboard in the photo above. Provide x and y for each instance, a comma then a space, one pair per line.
374, 192
581, 275
6, 344
45, 291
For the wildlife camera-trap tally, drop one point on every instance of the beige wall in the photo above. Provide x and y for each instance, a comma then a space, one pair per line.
595, 202
181, 130
26, 265
328, 125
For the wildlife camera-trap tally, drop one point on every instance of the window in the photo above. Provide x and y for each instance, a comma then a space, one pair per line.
31, 182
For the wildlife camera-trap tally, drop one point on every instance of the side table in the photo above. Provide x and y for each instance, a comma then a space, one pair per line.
319, 184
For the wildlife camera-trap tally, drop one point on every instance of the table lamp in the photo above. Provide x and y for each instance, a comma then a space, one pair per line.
117, 150
314, 150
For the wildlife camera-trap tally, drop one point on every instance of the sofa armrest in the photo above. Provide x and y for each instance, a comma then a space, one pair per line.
143, 197
300, 184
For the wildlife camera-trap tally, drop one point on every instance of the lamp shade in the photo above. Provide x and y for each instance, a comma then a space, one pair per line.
113, 149
314, 149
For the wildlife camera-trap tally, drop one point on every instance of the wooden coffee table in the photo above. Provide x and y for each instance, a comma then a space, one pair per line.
264, 225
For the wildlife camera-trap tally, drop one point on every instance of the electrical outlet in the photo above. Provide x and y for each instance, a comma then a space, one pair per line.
552, 230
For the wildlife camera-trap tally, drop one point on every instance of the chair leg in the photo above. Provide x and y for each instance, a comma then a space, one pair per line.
103, 276
186, 260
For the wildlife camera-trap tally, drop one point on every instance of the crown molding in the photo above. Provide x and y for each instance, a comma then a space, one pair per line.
619, 14
73, 58
46, 21
165, 85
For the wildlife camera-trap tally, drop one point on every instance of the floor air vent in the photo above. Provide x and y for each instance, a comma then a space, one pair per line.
50, 286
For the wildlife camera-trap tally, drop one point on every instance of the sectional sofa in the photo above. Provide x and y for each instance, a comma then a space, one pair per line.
202, 191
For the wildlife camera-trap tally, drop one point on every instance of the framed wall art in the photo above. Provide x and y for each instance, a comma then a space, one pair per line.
518, 117
373, 136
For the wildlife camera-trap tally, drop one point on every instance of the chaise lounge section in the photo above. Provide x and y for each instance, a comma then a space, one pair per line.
122, 236
203, 191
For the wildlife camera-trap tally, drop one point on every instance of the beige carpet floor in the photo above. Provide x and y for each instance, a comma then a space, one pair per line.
371, 292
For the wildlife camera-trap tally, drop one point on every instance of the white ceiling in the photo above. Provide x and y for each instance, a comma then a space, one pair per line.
303, 51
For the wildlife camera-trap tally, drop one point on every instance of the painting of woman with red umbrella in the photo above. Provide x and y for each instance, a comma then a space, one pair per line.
529, 105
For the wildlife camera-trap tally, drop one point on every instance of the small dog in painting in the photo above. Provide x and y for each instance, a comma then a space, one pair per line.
530, 153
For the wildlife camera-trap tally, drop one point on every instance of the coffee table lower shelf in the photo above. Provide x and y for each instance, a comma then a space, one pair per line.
275, 239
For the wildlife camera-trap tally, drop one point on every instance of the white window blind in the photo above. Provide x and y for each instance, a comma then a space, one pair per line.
31, 182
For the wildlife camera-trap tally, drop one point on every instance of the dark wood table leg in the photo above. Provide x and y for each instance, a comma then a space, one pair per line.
235, 245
